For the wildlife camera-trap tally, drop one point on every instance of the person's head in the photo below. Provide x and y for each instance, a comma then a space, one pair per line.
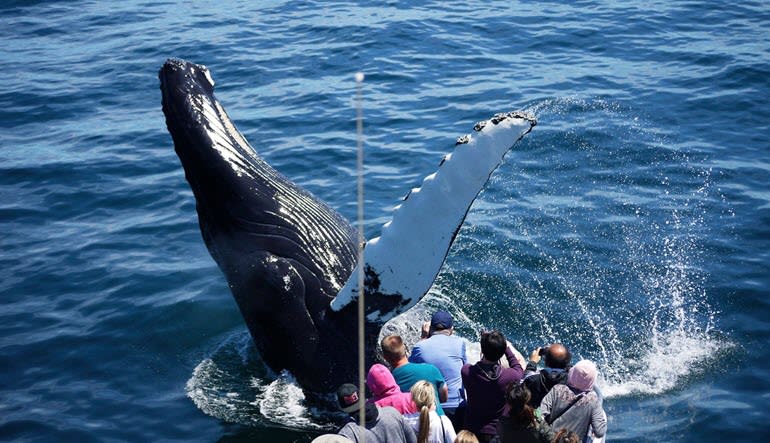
582, 376
465, 436
350, 401
423, 394
393, 349
424, 397
557, 356
441, 321
380, 381
517, 396
493, 345
565, 436
348, 398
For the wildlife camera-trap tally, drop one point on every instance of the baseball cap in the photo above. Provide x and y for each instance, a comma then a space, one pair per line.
348, 398
441, 320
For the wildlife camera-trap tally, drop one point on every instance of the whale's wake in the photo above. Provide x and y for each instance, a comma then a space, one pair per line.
234, 385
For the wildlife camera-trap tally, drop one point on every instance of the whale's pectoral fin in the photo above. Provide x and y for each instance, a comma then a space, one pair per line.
401, 265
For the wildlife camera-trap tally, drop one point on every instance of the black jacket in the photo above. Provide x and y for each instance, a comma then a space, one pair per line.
540, 382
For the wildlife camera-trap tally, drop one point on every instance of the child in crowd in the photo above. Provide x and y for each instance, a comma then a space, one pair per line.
521, 425
385, 390
427, 424
466, 437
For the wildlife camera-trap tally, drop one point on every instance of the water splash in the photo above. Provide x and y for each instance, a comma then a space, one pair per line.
678, 338
594, 234
235, 386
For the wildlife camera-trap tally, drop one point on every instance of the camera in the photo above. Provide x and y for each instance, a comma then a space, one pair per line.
542, 351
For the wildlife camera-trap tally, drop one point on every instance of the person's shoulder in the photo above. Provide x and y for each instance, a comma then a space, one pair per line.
455, 341
560, 387
349, 430
400, 369
593, 397
422, 366
411, 416
512, 373
389, 411
457, 338
532, 377
432, 370
445, 420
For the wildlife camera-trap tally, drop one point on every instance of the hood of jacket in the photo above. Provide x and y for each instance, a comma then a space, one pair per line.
553, 376
381, 382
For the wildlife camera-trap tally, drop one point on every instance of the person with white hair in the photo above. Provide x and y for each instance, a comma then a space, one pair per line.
576, 406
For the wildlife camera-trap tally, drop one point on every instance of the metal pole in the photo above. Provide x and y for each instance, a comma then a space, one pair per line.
361, 239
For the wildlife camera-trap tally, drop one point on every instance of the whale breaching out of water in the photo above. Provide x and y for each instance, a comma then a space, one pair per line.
290, 260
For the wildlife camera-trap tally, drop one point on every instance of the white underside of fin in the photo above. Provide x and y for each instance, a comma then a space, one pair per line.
412, 247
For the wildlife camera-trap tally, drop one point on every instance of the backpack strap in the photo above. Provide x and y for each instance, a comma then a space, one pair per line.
443, 431
356, 430
551, 418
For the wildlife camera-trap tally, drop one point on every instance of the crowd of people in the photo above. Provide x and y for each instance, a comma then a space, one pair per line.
435, 395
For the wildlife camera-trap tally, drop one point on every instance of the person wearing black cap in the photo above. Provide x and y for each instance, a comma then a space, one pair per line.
383, 425
447, 352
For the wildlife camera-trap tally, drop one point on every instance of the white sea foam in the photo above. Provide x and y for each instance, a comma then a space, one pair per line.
282, 401
232, 385
670, 359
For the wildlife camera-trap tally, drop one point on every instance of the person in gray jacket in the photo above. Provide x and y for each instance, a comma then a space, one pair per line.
576, 406
383, 425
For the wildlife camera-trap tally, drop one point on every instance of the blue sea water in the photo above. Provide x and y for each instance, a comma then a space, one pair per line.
633, 223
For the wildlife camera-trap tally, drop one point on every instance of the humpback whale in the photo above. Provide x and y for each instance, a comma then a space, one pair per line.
290, 260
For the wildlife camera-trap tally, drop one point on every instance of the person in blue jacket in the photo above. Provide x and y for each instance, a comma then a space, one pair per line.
447, 352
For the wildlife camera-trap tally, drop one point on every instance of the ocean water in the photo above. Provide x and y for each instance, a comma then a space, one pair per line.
633, 223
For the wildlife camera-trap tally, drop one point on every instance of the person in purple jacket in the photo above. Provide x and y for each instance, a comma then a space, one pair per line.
485, 384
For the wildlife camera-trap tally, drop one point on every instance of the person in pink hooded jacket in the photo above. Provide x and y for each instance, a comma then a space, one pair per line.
385, 391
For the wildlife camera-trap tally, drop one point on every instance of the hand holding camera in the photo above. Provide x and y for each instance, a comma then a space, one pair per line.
537, 354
